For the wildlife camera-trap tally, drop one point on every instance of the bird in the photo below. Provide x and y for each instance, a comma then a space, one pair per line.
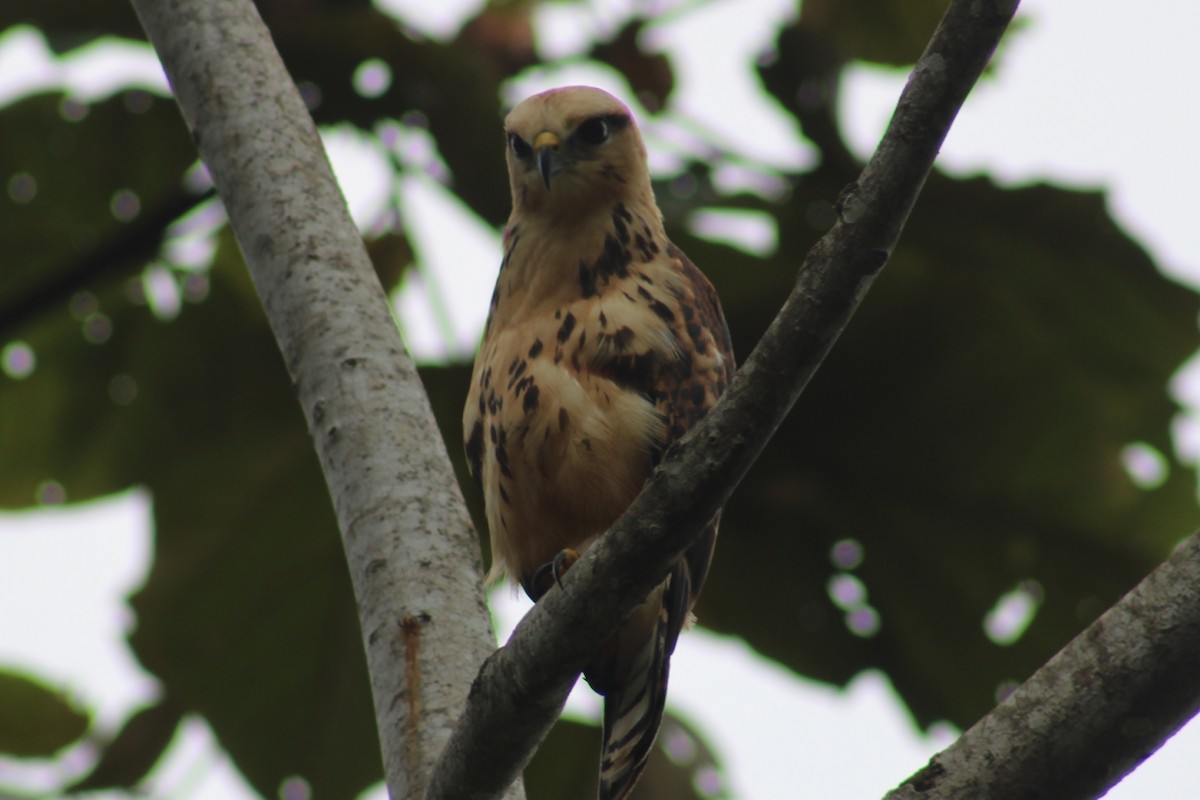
603, 345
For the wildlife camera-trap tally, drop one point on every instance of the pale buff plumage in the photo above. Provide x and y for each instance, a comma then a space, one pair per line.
604, 344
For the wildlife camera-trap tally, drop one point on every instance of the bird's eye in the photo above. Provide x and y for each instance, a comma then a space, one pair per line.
520, 147
593, 131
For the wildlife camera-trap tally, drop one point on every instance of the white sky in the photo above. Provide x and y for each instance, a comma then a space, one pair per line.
1089, 93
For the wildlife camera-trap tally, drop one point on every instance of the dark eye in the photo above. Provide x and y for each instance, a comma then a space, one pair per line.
593, 131
520, 147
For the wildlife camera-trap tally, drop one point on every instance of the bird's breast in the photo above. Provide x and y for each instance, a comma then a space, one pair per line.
564, 436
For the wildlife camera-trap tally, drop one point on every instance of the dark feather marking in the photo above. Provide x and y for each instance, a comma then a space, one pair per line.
502, 460
531, 400
587, 280
614, 260
475, 453
568, 325
520, 370
535, 349
631, 371
647, 248
708, 306
618, 220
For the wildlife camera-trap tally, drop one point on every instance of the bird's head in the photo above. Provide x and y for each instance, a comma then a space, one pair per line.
574, 149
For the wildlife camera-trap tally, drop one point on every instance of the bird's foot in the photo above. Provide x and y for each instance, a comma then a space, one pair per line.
551, 572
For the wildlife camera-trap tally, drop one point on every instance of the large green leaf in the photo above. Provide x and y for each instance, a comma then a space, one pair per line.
130, 755
37, 721
451, 89
103, 182
967, 431
883, 31
247, 615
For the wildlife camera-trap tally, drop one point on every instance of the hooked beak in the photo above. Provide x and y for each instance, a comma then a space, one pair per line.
549, 161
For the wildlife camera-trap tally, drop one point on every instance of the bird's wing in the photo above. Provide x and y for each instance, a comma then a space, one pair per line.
632, 671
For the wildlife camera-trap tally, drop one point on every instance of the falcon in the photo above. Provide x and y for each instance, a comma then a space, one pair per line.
604, 344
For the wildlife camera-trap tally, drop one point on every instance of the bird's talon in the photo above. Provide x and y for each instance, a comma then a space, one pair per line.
562, 562
550, 573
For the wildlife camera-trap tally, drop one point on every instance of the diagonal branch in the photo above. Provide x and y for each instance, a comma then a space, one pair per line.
405, 529
522, 687
1095, 711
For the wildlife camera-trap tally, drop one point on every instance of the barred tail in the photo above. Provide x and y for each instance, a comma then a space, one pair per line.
631, 673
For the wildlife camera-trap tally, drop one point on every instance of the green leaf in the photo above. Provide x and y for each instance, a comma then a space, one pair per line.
247, 614
874, 30
36, 721
104, 181
134, 751
967, 432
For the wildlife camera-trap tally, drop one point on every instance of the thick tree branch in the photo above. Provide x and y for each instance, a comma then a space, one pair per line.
1095, 711
404, 526
522, 687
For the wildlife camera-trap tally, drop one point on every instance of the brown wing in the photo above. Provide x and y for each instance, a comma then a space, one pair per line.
712, 368
633, 670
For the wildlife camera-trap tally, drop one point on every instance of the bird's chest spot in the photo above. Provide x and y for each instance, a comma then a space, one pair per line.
557, 414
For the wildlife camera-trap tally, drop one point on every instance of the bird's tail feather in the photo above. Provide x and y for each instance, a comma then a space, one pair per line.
633, 680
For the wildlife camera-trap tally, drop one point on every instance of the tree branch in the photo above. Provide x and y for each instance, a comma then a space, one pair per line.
1095, 711
521, 688
404, 525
